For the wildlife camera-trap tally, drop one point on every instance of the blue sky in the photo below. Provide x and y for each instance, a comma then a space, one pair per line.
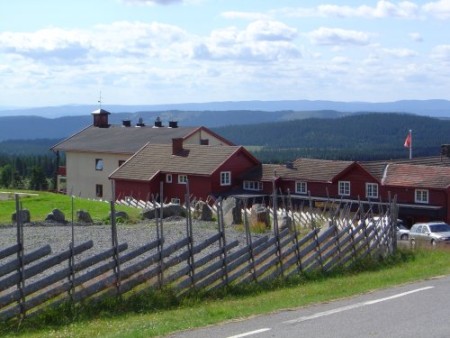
55, 52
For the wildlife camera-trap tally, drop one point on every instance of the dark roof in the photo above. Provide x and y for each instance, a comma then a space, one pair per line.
120, 139
418, 176
192, 160
301, 169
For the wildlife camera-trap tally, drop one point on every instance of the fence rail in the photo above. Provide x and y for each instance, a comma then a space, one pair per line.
317, 239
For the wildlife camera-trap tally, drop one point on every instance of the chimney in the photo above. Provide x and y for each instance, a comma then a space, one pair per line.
290, 165
173, 124
158, 122
445, 150
177, 145
126, 123
140, 123
101, 118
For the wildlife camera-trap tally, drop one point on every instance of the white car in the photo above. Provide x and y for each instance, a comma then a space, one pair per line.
433, 233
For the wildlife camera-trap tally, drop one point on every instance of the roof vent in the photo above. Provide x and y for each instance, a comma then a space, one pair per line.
126, 123
173, 124
140, 123
158, 122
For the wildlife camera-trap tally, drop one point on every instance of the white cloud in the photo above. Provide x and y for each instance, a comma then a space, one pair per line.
441, 53
439, 9
245, 15
416, 37
153, 2
382, 9
400, 52
338, 37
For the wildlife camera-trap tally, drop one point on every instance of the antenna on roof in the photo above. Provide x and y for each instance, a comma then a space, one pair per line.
100, 100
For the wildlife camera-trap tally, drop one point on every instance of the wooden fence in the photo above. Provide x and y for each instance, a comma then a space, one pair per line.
334, 236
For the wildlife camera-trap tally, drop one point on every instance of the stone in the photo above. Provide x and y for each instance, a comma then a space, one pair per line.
25, 216
203, 211
84, 217
56, 216
170, 210
259, 214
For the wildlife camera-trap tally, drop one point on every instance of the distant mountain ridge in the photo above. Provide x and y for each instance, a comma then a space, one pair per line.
434, 108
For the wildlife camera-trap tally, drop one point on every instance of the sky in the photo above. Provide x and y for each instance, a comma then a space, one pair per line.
57, 52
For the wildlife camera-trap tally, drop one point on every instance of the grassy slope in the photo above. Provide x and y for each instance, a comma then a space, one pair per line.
195, 313
40, 204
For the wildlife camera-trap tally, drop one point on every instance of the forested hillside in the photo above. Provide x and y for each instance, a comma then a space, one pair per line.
357, 137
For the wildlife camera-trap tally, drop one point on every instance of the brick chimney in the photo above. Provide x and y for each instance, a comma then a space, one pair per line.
177, 145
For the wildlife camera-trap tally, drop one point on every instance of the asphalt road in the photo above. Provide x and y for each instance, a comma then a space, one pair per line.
415, 310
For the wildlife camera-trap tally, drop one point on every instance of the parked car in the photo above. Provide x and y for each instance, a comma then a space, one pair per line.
402, 232
432, 233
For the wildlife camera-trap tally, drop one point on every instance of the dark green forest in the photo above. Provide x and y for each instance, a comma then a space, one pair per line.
361, 137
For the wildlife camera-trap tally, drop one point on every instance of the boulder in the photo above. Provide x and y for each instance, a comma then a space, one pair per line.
84, 217
56, 216
232, 211
259, 214
24, 216
203, 211
286, 222
170, 210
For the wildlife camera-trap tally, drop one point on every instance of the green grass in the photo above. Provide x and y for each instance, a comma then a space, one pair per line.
41, 203
160, 313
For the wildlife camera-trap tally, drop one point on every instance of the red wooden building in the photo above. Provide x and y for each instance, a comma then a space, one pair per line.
210, 170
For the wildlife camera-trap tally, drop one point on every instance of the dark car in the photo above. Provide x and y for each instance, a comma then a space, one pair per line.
432, 233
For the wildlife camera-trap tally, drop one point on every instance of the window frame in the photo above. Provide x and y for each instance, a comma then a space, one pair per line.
369, 191
419, 195
182, 179
225, 178
169, 178
252, 185
344, 188
304, 186
99, 164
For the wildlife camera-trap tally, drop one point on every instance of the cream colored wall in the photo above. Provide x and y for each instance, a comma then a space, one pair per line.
82, 177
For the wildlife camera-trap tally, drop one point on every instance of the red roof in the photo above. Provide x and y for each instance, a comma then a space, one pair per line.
419, 176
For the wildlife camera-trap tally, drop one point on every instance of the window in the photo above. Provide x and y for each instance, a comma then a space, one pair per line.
225, 178
99, 190
98, 164
253, 185
301, 188
344, 188
175, 201
371, 190
168, 178
182, 179
421, 196
121, 162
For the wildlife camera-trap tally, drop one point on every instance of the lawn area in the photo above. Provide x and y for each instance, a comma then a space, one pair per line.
161, 315
41, 203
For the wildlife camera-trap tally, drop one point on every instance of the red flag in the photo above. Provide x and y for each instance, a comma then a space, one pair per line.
408, 141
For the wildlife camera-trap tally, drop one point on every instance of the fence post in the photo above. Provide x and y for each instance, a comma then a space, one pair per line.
115, 246
275, 225
190, 235
20, 254
160, 234
290, 207
249, 240
72, 257
222, 240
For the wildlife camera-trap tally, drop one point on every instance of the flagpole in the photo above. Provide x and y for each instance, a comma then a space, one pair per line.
411, 144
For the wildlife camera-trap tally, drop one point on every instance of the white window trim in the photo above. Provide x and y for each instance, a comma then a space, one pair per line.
182, 179
341, 188
168, 178
423, 192
225, 178
303, 184
373, 185
252, 185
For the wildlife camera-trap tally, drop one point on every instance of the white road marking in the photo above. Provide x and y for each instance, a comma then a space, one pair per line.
354, 306
250, 333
